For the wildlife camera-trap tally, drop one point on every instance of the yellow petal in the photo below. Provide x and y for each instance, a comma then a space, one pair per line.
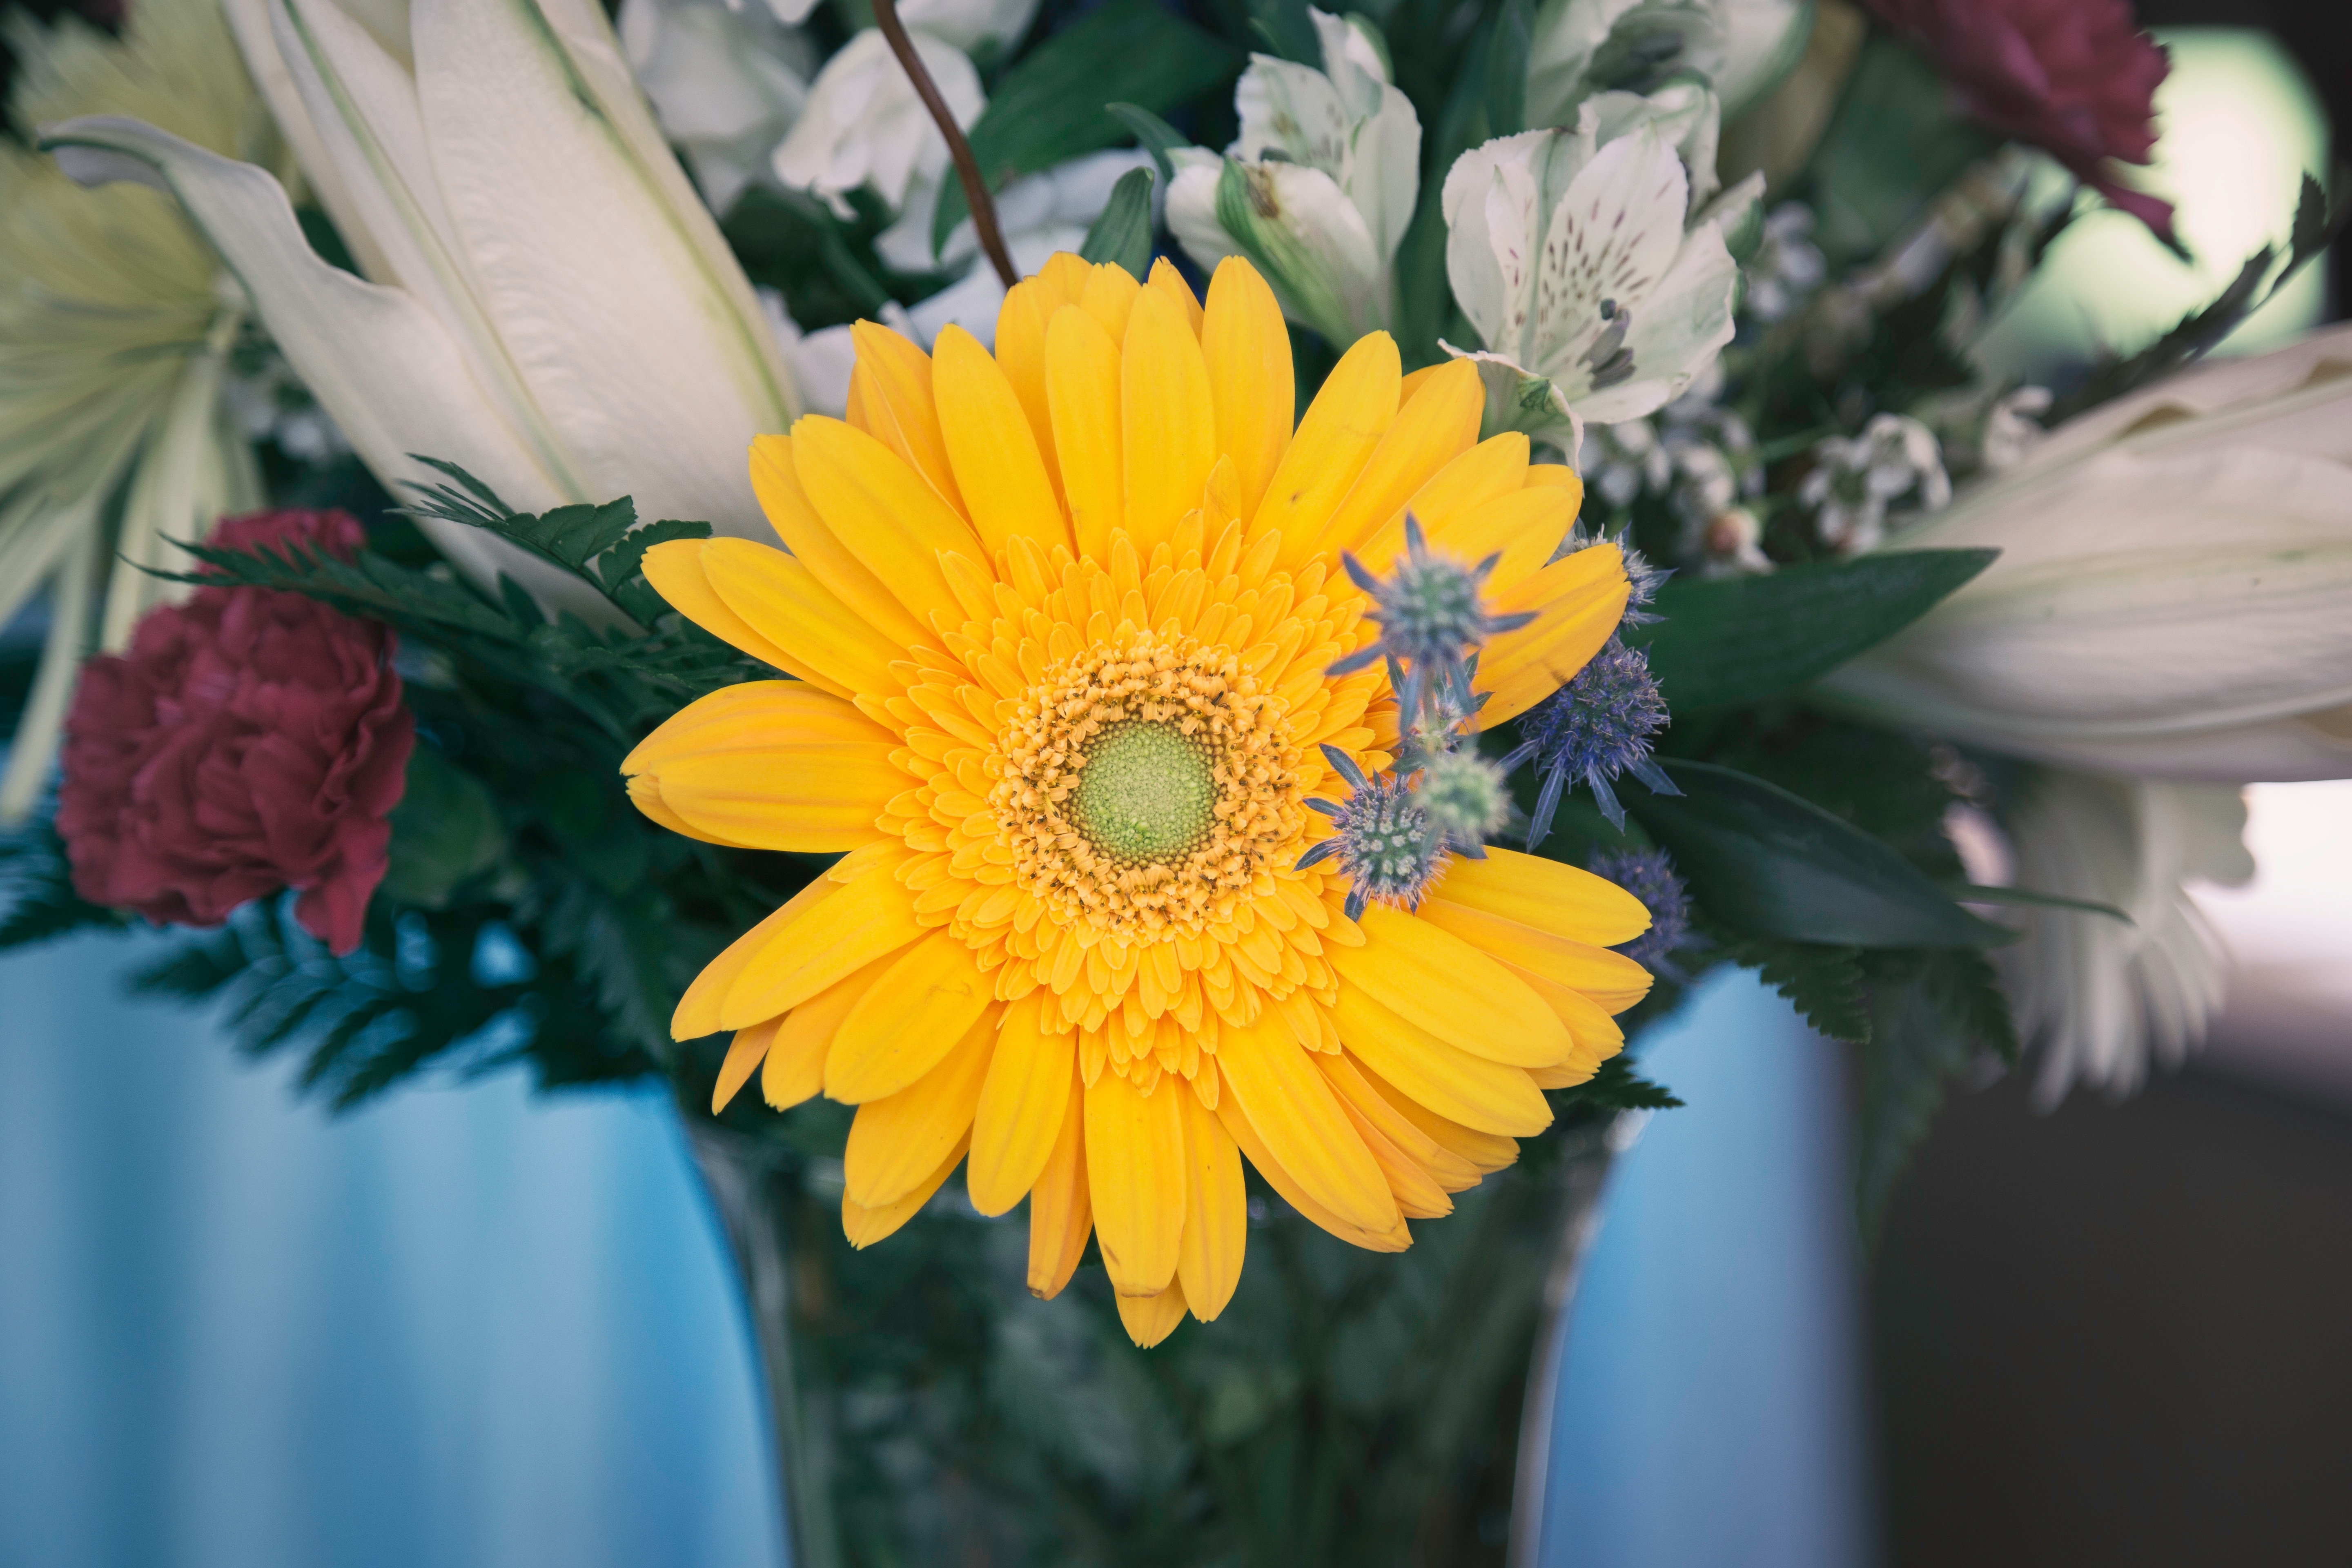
697, 1011
897, 1140
675, 570
1578, 601
1216, 1207
1485, 1151
1061, 1215
1082, 386
994, 451
795, 519
1451, 1171
1341, 429
1152, 1318
842, 933
913, 1017
1596, 1034
753, 715
1436, 424
1418, 1195
823, 639
1562, 478
1021, 1107
795, 1066
743, 1053
1108, 296
804, 800
1495, 467
883, 511
1432, 978
1248, 348
1524, 528
1396, 1238
1610, 979
864, 1227
1021, 355
1170, 440
1564, 899
645, 793
1485, 1096
1170, 282
1135, 1176
908, 419
1067, 274
1302, 1122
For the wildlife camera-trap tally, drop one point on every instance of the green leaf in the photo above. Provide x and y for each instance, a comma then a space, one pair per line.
1895, 141
1932, 1016
1051, 105
1733, 640
1123, 233
1769, 864
1155, 136
1825, 983
445, 832
40, 902
1975, 893
1617, 1086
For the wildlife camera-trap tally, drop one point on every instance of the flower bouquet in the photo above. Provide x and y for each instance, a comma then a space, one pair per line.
1168, 624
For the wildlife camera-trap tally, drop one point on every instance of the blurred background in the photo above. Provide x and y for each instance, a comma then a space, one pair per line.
468, 1327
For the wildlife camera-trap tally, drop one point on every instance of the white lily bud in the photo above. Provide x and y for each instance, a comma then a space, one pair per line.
1570, 258
548, 304
1319, 187
2170, 596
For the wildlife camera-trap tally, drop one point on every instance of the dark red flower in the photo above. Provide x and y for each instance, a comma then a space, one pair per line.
2075, 77
250, 741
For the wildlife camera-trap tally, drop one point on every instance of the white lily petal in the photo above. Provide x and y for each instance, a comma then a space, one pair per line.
381, 364
249, 21
622, 338
968, 24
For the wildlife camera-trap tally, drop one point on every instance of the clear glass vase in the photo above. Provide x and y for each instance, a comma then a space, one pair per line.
1347, 1407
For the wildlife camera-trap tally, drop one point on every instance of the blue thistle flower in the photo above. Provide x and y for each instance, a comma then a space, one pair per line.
1385, 842
1599, 725
1650, 875
1430, 618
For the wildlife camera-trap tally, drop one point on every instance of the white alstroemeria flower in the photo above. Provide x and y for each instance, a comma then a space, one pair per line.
548, 304
864, 127
1570, 258
2097, 998
1856, 480
1319, 187
2171, 596
1579, 47
726, 81
116, 326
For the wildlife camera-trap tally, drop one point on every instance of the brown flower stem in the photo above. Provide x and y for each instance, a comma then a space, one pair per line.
975, 189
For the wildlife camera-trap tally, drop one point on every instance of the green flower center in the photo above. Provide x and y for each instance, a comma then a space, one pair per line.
1148, 793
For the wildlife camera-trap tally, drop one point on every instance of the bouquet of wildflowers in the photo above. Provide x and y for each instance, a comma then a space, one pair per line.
1167, 623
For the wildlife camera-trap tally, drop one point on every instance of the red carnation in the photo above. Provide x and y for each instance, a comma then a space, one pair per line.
250, 741
2075, 77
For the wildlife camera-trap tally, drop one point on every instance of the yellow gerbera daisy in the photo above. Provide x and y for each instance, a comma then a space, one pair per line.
1061, 623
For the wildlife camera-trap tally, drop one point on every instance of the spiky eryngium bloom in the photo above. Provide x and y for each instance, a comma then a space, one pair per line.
1650, 875
1598, 726
1431, 616
116, 321
1065, 653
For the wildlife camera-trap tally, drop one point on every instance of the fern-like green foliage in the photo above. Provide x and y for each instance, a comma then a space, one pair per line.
38, 901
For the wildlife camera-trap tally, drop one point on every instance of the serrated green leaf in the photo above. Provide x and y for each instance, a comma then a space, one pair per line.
36, 880
1825, 982
1769, 864
1728, 641
1617, 1086
624, 561
1051, 105
1933, 1014
1122, 233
